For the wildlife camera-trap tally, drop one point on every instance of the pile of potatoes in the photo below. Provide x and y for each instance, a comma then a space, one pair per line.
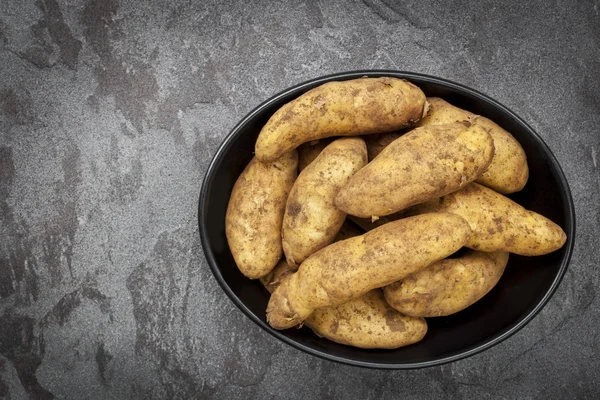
368, 188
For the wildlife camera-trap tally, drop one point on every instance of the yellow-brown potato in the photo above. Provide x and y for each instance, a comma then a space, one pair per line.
348, 108
508, 171
311, 221
367, 322
307, 152
348, 269
425, 163
498, 223
255, 214
448, 286
376, 143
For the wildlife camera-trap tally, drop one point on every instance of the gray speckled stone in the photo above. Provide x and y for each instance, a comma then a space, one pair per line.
110, 111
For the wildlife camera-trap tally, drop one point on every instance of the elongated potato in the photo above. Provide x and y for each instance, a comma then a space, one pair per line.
348, 269
307, 152
367, 322
498, 223
348, 108
255, 214
423, 164
508, 171
448, 286
376, 143
311, 221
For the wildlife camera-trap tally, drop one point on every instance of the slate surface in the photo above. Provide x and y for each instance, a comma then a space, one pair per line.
110, 111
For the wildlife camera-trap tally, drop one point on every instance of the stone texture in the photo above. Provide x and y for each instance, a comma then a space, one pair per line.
110, 111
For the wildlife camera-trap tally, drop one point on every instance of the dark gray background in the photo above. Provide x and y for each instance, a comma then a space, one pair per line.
110, 112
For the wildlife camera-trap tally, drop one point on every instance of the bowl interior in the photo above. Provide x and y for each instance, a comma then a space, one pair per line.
525, 287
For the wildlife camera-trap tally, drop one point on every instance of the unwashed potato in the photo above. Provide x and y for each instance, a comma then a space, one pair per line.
255, 214
376, 143
367, 322
423, 164
348, 108
508, 171
307, 152
311, 221
448, 286
348, 269
498, 223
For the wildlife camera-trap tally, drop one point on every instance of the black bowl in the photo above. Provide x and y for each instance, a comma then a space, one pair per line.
526, 286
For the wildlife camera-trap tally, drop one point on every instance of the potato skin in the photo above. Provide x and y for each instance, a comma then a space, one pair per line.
448, 286
307, 152
425, 163
311, 221
498, 223
255, 214
367, 322
508, 172
347, 108
376, 143
348, 269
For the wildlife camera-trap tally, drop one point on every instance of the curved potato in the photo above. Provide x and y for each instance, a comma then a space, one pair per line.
367, 322
348, 269
508, 172
347, 108
448, 286
498, 223
255, 214
307, 152
311, 221
425, 163
376, 143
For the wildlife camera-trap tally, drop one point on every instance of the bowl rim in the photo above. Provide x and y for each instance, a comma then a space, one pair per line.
236, 131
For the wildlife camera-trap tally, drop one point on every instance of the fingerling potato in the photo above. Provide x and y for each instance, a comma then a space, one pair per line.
447, 286
367, 322
425, 163
311, 221
508, 171
348, 269
498, 223
347, 108
255, 214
